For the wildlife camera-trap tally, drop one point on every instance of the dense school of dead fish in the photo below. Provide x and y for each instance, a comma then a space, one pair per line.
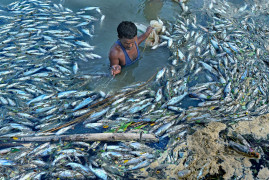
222, 66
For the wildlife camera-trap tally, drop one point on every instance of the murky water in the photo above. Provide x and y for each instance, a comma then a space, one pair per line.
105, 35
140, 11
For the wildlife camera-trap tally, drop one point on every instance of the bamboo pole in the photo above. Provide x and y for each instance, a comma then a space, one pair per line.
90, 137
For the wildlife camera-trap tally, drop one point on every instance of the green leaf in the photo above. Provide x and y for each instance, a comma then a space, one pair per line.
13, 150
124, 127
139, 127
67, 146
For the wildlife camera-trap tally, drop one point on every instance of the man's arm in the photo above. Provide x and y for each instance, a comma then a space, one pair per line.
114, 63
142, 37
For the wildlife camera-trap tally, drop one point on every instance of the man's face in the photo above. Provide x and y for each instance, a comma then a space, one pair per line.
128, 43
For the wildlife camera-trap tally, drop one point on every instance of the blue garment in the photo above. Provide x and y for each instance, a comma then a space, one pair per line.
128, 60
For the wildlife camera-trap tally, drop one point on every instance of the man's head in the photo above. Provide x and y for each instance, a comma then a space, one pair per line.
127, 32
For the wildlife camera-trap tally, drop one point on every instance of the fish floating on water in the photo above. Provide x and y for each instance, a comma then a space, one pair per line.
220, 65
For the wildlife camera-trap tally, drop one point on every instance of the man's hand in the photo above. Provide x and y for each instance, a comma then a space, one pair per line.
149, 30
142, 37
115, 69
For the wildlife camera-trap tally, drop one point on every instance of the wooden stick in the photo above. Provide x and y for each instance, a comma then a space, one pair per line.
83, 117
91, 137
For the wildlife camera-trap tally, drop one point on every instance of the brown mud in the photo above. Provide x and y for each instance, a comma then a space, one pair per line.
208, 156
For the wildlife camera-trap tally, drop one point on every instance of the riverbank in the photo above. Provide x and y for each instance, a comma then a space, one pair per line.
212, 158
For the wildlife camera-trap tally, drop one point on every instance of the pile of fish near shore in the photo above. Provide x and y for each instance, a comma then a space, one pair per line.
223, 66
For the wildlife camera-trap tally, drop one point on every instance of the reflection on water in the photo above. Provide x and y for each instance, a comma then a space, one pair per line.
151, 9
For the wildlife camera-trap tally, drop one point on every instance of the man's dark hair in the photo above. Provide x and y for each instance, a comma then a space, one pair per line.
127, 29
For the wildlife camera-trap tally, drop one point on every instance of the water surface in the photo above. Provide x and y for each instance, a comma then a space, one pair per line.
105, 35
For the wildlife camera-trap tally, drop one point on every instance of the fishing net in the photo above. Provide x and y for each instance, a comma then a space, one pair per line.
153, 38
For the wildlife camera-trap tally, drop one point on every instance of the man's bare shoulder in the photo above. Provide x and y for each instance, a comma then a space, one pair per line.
115, 51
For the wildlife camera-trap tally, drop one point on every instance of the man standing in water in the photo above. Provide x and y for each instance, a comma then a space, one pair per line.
125, 50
